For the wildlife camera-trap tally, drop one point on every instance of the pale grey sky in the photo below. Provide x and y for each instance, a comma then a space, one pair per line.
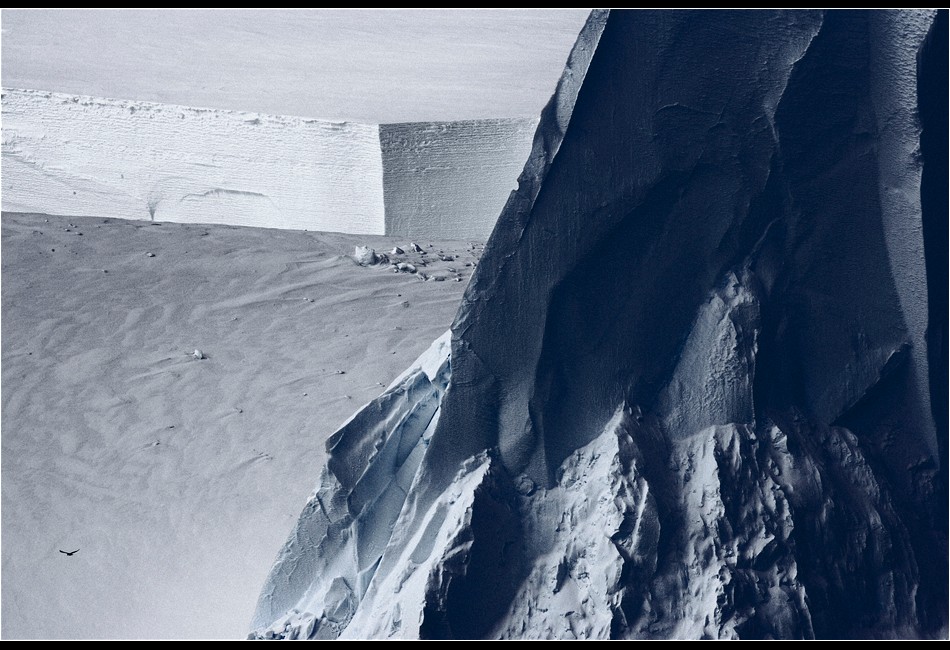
373, 66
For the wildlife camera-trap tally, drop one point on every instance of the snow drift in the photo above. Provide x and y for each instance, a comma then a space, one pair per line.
75, 155
688, 392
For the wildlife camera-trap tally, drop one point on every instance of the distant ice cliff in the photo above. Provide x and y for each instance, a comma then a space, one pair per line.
75, 155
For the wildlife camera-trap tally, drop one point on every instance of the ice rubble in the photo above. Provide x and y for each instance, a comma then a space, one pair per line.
687, 392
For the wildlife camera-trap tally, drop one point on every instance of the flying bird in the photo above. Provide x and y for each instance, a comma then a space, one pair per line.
69, 552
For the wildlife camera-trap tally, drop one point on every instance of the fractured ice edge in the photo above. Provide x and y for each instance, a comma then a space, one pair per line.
688, 391
651, 529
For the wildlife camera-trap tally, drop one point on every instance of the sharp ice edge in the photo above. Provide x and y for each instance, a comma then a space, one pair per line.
324, 568
79, 155
719, 500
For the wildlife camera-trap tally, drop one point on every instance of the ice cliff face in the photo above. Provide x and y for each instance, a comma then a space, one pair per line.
689, 387
450, 179
76, 155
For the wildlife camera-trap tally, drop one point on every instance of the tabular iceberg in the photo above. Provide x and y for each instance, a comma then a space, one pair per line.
695, 387
75, 155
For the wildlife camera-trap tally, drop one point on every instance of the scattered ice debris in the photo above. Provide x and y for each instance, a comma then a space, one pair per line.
524, 485
198, 354
364, 255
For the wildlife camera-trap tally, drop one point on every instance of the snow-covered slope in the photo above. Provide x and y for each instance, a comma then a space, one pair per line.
179, 478
688, 391
75, 155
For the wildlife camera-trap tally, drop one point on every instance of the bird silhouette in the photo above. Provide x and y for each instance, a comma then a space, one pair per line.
69, 552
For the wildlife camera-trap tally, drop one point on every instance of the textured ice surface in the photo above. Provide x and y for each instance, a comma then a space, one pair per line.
326, 565
451, 177
689, 387
75, 155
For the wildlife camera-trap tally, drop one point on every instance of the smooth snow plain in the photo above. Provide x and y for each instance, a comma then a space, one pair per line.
178, 479
371, 66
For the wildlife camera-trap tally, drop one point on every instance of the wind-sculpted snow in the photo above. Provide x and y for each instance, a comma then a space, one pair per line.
689, 385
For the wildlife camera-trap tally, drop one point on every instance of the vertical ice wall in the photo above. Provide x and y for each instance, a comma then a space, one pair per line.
451, 178
74, 155
688, 393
